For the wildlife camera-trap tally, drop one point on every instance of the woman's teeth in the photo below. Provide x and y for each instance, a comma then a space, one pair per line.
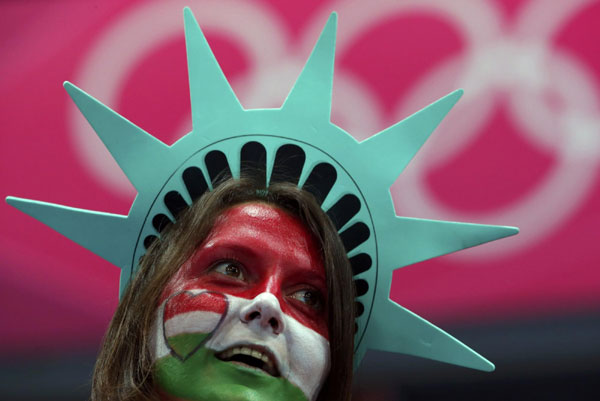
244, 355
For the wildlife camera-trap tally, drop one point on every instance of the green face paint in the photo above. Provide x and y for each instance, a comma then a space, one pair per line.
203, 377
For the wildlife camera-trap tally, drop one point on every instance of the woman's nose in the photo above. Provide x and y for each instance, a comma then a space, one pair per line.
265, 310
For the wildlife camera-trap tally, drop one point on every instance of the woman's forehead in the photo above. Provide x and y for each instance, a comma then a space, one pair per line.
265, 228
262, 218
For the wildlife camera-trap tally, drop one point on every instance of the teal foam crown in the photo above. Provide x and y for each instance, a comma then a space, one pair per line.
224, 134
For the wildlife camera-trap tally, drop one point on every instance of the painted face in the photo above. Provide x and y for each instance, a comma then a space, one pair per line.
245, 318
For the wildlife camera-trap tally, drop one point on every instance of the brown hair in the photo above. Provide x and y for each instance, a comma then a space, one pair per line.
123, 370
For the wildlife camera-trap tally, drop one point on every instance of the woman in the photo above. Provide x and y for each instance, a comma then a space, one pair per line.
130, 365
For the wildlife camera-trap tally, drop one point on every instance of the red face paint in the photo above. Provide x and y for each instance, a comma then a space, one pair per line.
255, 248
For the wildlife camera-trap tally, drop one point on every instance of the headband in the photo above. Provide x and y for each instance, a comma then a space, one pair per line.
349, 179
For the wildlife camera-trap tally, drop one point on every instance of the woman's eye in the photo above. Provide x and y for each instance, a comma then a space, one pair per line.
311, 298
230, 269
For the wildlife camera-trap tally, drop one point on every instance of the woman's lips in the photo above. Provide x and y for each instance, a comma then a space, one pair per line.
253, 356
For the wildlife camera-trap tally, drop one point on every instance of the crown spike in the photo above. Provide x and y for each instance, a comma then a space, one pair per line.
134, 149
107, 235
422, 239
392, 148
311, 94
211, 95
396, 329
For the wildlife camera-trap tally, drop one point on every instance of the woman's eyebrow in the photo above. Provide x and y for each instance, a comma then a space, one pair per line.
315, 279
219, 246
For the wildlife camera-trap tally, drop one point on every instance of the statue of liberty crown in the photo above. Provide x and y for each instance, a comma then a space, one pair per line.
350, 179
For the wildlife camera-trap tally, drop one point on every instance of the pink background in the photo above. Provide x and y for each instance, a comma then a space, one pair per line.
522, 148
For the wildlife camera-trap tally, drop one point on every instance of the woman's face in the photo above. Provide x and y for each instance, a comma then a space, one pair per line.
245, 318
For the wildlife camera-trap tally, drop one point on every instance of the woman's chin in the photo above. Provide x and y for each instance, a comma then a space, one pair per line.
203, 377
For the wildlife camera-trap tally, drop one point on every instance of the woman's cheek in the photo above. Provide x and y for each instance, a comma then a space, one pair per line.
314, 319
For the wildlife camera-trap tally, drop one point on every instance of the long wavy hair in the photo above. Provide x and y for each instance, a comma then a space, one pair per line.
123, 370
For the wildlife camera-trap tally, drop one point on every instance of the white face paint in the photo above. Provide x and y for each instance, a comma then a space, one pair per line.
246, 315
